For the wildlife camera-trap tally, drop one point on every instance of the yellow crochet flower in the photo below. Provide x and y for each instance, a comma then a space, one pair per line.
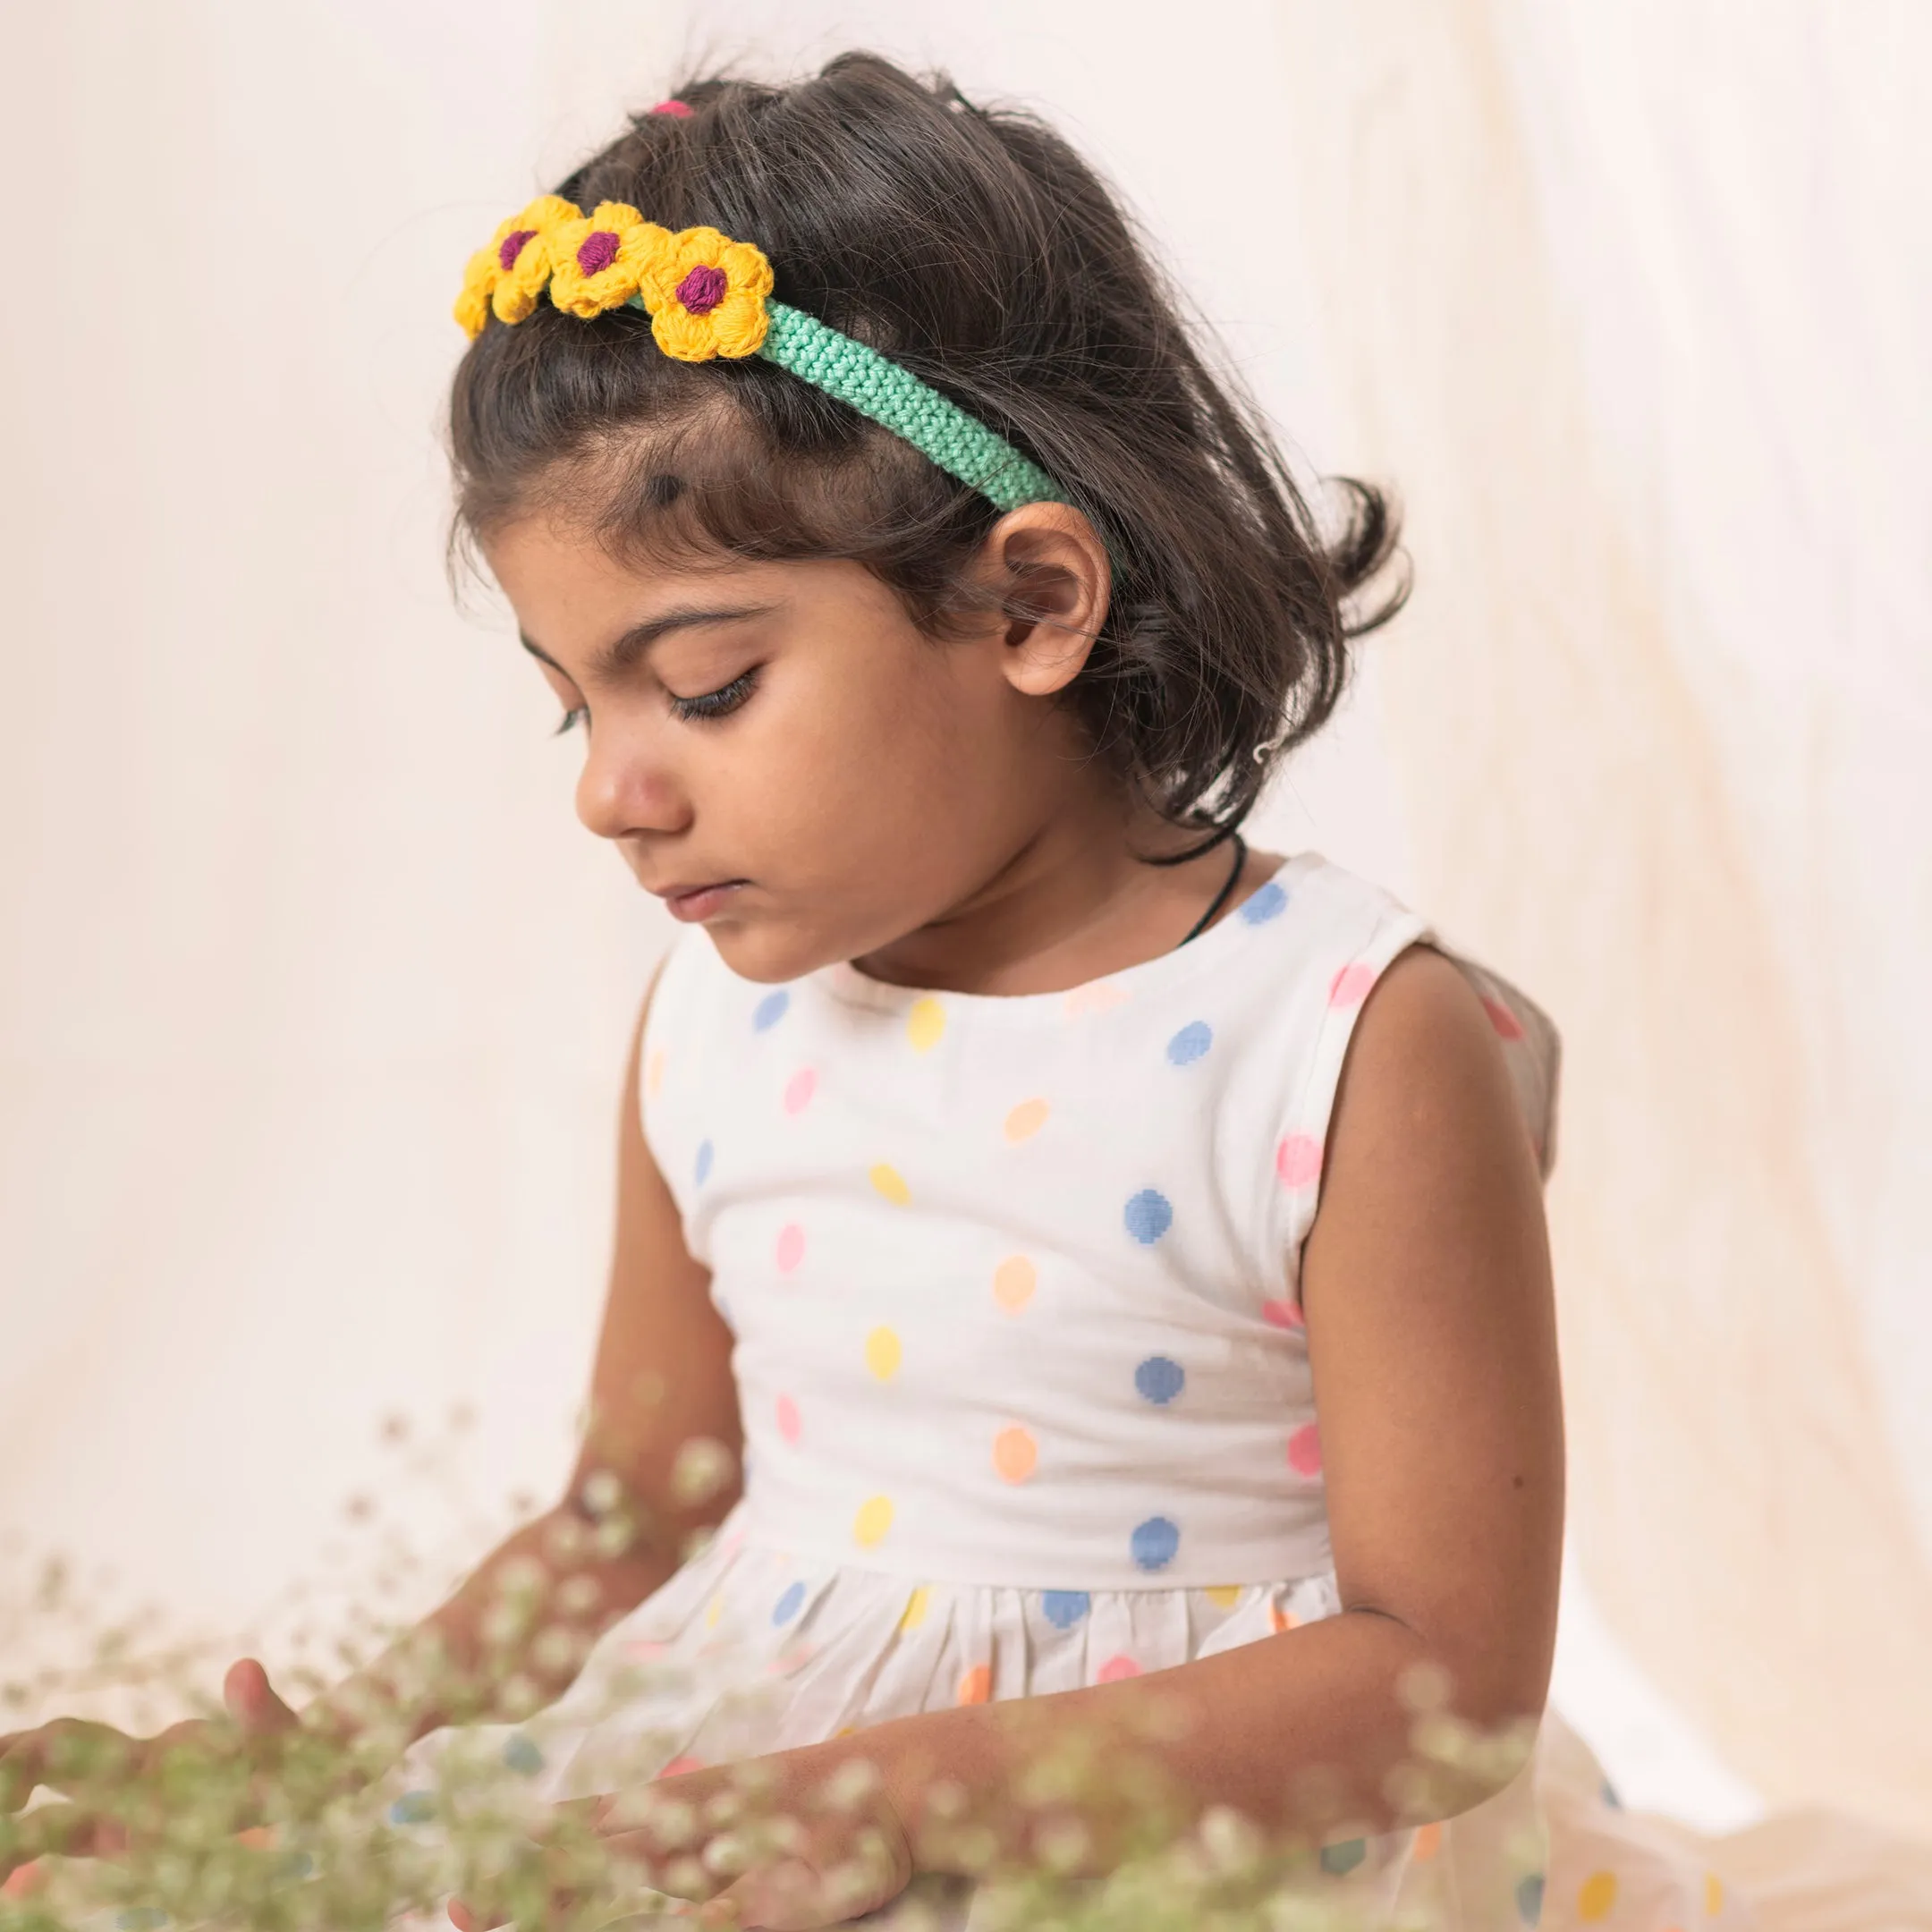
507, 277
595, 263
706, 294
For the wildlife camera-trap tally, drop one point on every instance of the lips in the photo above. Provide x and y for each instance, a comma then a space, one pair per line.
695, 902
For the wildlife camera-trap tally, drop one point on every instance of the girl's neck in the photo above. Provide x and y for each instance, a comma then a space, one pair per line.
1076, 902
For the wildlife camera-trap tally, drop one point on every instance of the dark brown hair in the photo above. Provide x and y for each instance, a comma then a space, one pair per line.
973, 246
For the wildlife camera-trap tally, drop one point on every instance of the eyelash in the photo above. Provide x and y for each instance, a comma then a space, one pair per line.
706, 708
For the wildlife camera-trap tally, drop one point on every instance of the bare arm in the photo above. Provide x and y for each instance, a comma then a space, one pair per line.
1432, 1336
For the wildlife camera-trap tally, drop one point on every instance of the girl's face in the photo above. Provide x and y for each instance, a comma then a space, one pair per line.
780, 754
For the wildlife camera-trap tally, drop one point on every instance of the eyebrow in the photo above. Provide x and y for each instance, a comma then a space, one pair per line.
611, 660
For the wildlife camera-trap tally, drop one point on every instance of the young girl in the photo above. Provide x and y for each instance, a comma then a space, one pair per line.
1110, 1257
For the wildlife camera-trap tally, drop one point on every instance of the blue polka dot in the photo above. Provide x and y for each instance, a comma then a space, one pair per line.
1160, 1378
770, 1011
1343, 1857
1259, 908
301, 1865
413, 1808
1530, 1898
1066, 1608
1149, 1215
1154, 1543
703, 1162
787, 1605
1191, 1043
523, 1756
1610, 1796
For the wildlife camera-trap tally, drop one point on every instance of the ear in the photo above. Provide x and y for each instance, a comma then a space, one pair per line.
1047, 562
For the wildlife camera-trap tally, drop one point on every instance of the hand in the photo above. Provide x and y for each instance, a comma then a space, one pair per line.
787, 1843
84, 1761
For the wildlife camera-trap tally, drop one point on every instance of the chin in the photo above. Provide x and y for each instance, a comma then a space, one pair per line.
769, 953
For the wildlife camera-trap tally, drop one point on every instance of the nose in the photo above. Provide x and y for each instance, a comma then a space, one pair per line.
626, 788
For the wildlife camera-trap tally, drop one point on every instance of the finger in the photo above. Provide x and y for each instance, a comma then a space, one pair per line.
252, 1701
63, 1755
787, 1896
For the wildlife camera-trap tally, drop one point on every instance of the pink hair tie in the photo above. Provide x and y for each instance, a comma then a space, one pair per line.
682, 109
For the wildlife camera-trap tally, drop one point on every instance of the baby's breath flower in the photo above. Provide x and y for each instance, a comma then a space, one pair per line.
702, 1467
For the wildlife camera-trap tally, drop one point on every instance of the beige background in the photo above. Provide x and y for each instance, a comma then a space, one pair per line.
315, 995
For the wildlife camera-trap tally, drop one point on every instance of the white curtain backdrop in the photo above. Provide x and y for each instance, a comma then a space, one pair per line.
314, 994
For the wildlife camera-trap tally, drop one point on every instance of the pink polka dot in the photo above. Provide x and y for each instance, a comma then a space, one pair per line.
1116, 1668
790, 1246
1297, 1159
678, 1767
1349, 987
1284, 1314
1507, 1025
644, 1650
1304, 1451
800, 1089
788, 1419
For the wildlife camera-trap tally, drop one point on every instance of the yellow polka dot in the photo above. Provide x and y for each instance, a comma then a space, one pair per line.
891, 1184
917, 1605
976, 1687
883, 1353
1427, 1843
873, 1520
1014, 1453
713, 1610
1026, 1120
1596, 1897
1713, 1894
1014, 1283
925, 1023
654, 1078
1223, 1595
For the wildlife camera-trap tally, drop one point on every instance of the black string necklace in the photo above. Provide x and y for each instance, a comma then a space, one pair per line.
1221, 897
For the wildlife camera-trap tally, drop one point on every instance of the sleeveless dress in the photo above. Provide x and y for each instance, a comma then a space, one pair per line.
1014, 1288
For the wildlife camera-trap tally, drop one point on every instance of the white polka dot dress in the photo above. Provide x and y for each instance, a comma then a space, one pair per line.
1014, 1289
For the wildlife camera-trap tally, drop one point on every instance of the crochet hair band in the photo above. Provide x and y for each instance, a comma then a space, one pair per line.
708, 295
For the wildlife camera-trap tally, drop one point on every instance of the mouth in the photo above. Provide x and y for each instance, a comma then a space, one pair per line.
695, 903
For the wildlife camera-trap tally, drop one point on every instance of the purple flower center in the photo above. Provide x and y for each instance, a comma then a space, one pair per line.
597, 251
703, 289
513, 246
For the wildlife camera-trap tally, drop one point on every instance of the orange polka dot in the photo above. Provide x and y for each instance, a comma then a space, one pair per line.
788, 1419
24, 1880
1427, 1843
872, 1522
799, 1090
1097, 996
976, 1687
1596, 1896
1304, 1450
1298, 1158
883, 1353
654, 1075
791, 1250
890, 1182
1713, 1894
1026, 1120
258, 1837
1014, 1453
1280, 1620
1014, 1283
1349, 987
1115, 1669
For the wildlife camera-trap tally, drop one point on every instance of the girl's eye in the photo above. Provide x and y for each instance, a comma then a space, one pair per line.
577, 715
719, 703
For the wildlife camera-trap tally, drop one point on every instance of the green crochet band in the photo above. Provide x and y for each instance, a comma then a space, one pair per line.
897, 400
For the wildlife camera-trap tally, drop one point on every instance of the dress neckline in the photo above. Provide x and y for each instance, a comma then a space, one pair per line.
843, 982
